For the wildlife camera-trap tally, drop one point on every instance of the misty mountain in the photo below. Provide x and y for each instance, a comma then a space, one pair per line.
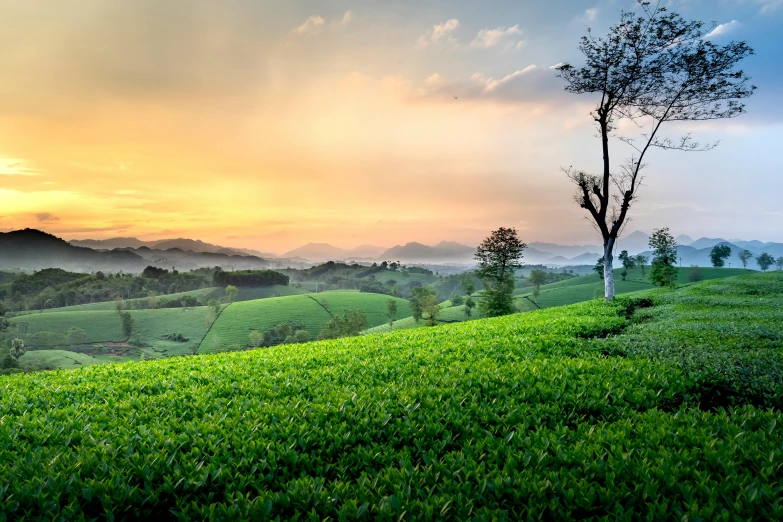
32, 249
184, 260
193, 245
706, 242
327, 252
634, 243
682, 239
564, 251
445, 252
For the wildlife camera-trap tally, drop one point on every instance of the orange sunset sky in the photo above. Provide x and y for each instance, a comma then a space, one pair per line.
273, 124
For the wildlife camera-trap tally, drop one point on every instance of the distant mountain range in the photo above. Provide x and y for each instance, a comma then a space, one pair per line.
193, 245
327, 252
33, 250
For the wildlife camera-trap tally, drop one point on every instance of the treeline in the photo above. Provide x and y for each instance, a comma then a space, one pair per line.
249, 278
54, 287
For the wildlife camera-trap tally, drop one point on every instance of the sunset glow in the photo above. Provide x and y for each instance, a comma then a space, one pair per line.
273, 124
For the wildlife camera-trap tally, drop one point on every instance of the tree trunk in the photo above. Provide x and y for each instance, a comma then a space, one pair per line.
608, 271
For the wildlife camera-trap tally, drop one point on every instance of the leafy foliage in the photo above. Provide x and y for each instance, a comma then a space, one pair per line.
664, 270
765, 261
249, 278
719, 254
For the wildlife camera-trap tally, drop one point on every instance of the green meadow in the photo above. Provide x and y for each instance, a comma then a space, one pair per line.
312, 311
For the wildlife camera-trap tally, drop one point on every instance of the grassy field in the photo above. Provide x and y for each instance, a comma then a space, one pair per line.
60, 359
234, 325
103, 326
664, 405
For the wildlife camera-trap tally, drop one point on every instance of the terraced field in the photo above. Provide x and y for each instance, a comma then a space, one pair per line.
664, 405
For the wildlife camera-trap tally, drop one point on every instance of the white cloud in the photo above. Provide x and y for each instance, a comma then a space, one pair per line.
722, 29
311, 25
347, 17
555, 66
767, 6
588, 16
490, 84
440, 33
491, 37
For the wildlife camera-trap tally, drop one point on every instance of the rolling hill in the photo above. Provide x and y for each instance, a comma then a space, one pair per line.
312, 311
658, 405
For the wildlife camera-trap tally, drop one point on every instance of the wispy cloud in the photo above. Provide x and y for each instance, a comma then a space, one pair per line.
126, 192
347, 17
588, 16
723, 29
767, 6
440, 33
491, 37
16, 167
45, 217
311, 25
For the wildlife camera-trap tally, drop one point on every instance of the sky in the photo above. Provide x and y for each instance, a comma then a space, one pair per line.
269, 124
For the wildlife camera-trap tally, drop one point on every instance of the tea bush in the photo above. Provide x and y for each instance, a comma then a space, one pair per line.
591, 411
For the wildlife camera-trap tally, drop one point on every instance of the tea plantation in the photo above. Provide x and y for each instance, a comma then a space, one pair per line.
663, 405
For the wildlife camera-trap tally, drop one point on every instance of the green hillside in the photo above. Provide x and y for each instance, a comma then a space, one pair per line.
662, 406
104, 326
312, 311
60, 359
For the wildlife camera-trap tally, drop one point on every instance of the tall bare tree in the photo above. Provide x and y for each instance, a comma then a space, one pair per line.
651, 68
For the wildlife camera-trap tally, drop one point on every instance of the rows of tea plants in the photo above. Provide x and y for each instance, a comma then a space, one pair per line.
563, 413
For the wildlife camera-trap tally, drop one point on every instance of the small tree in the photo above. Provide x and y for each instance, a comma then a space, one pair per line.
75, 336
663, 271
765, 261
498, 256
599, 267
126, 320
214, 304
653, 67
469, 305
152, 300
256, 338
231, 293
47, 295
719, 254
17, 348
536, 292
418, 294
391, 312
695, 274
431, 309
627, 260
468, 286
779, 263
641, 260
350, 323
537, 278
745, 256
